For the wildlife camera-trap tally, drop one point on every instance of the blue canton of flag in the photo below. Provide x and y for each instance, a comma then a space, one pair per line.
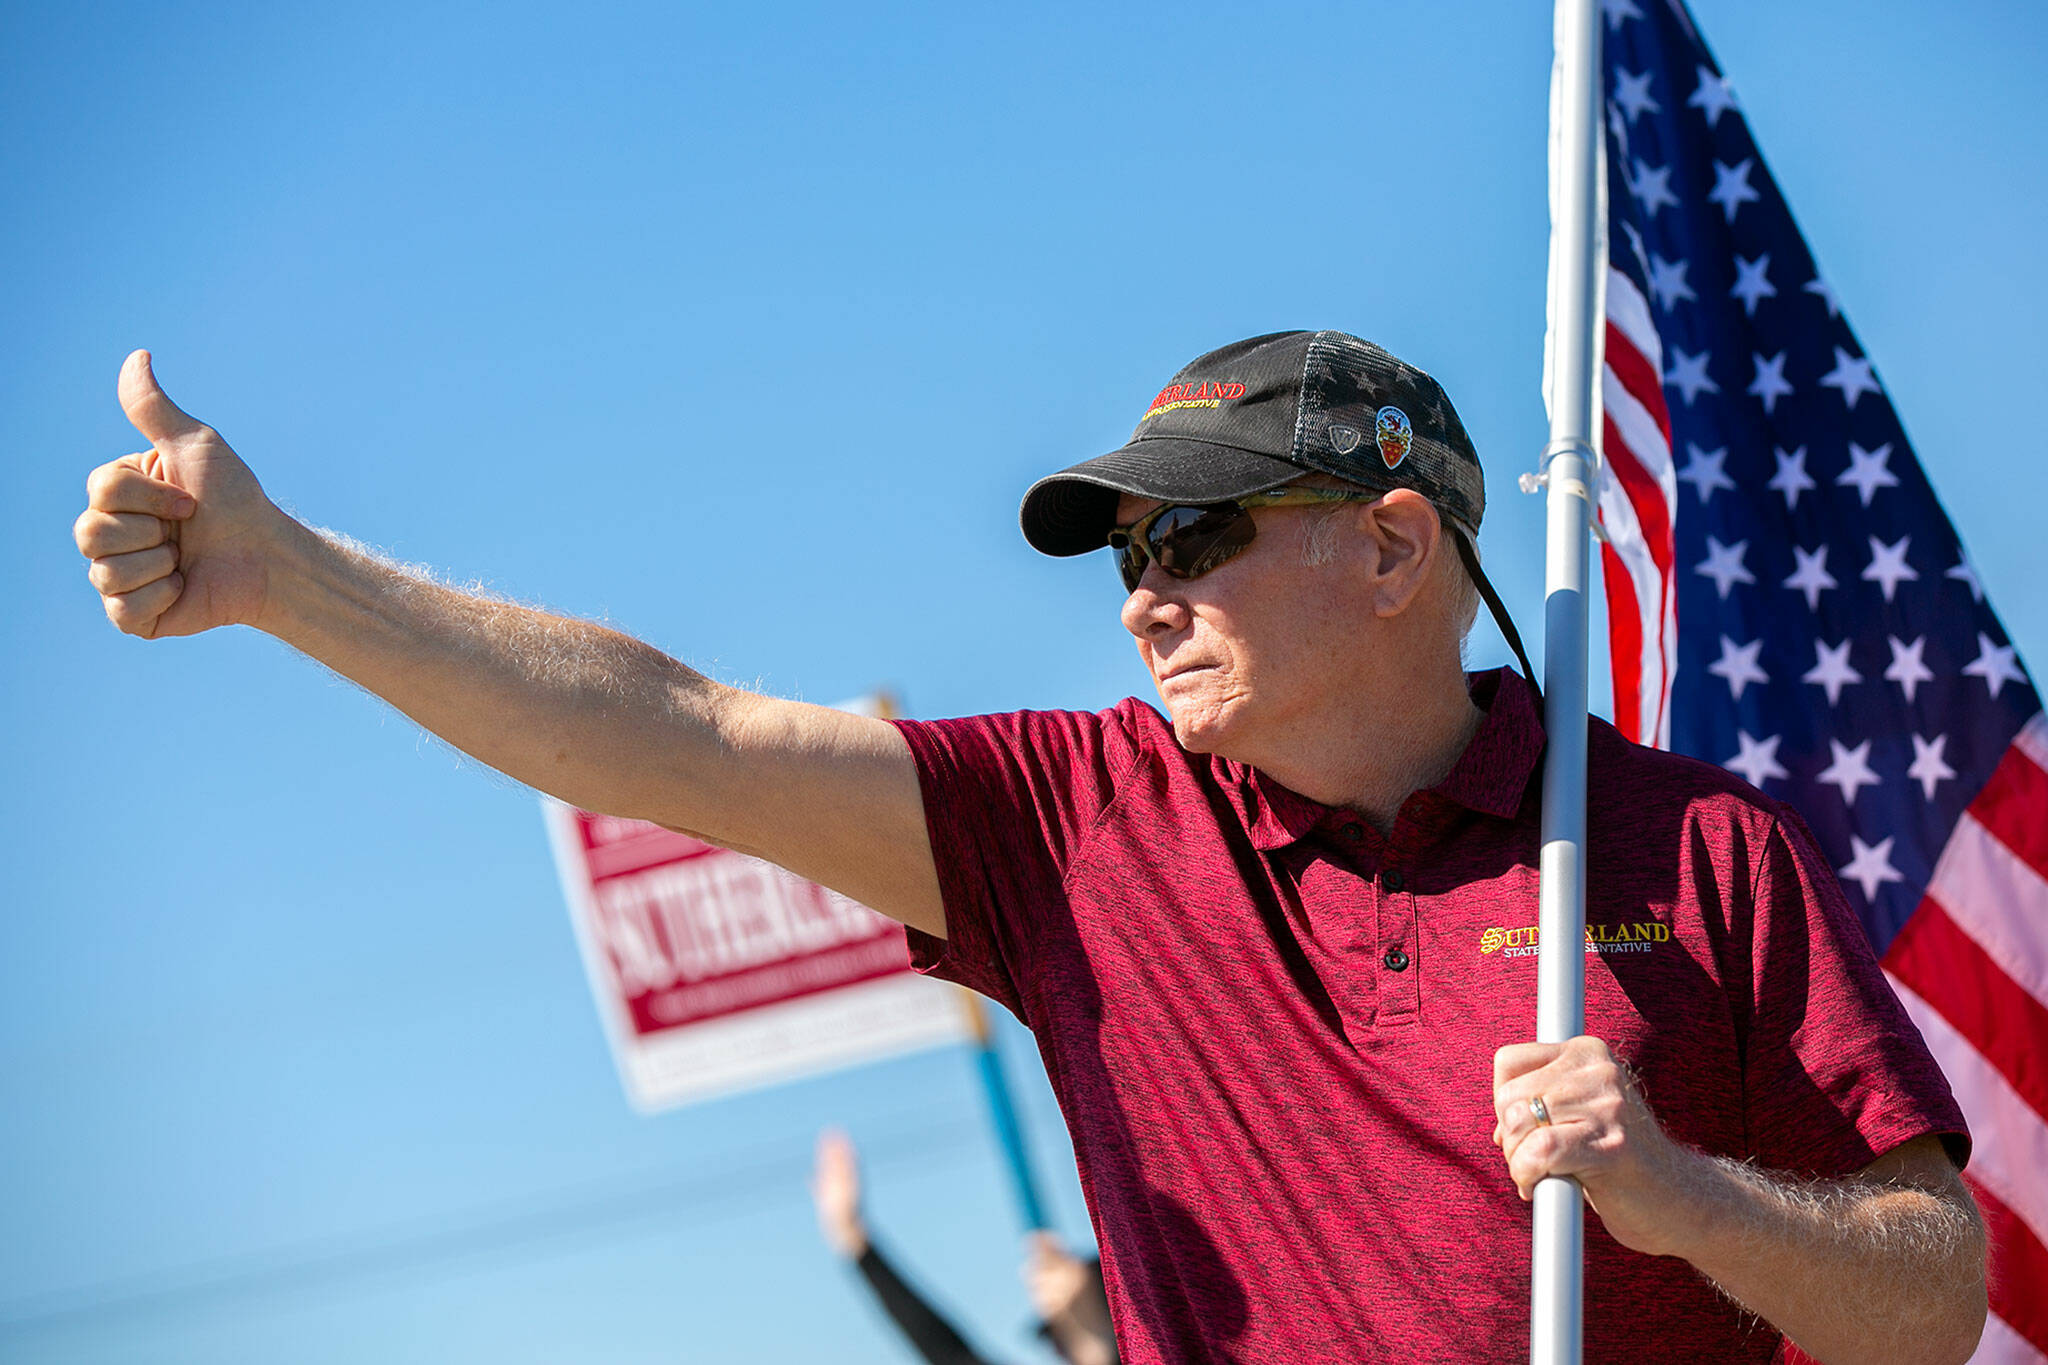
1787, 598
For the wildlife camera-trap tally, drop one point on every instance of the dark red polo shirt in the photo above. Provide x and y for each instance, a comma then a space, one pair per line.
1271, 1029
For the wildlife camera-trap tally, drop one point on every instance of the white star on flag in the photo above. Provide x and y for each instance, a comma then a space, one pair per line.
1791, 478
1751, 283
1819, 286
1888, 566
1929, 767
1995, 664
1714, 97
1872, 865
1851, 769
1704, 472
1967, 576
1635, 244
1617, 125
1907, 669
1632, 93
1758, 759
1831, 669
1731, 186
1851, 375
1811, 576
1868, 471
1651, 186
1724, 565
1738, 665
1619, 10
1667, 282
1689, 373
1770, 384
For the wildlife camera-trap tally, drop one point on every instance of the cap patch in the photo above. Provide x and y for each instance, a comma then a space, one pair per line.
1344, 439
1391, 430
1207, 394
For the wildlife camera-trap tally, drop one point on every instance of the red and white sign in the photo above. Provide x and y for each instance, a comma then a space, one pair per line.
718, 972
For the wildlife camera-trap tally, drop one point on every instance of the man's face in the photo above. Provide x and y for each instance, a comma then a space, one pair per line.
1247, 657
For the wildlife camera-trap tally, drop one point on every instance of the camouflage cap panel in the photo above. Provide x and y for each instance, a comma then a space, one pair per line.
1345, 426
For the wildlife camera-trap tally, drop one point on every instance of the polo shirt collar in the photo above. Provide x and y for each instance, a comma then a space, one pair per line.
1490, 777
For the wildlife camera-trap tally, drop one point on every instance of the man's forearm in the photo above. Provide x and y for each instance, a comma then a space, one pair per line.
579, 711
1850, 1270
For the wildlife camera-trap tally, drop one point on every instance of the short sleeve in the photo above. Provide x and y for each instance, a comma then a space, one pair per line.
1008, 799
1835, 1073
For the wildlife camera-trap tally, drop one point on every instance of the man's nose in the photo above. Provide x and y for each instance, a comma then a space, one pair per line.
1152, 609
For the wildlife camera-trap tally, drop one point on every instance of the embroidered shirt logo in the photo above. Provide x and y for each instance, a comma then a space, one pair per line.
1392, 430
1207, 394
1523, 940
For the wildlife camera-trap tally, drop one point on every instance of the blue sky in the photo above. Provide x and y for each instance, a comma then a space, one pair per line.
742, 330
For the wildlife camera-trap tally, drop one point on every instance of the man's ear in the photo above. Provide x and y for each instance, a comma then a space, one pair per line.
1406, 537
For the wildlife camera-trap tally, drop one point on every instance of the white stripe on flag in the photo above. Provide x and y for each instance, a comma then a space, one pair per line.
2009, 1148
1630, 311
2032, 740
1995, 898
2003, 1346
1639, 429
1625, 538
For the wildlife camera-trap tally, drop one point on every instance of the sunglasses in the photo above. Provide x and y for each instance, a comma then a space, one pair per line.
1187, 540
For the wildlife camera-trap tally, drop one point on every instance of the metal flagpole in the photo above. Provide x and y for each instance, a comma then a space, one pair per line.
1572, 361
1003, 1112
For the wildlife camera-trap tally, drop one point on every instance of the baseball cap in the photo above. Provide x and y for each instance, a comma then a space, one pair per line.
1263, 412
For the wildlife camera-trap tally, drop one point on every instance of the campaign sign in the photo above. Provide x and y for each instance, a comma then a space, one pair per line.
718, 972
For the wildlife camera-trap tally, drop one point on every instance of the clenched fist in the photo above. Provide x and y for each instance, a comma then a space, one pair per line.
178, 534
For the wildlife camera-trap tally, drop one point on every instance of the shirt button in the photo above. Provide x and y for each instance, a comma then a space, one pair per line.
1396, 960
1353, 831
1392, 879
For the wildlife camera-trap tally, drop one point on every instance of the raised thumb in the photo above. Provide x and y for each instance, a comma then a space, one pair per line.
149, 408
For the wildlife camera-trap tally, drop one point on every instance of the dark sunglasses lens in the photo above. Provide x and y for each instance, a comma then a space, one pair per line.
1190, 541
1130, 559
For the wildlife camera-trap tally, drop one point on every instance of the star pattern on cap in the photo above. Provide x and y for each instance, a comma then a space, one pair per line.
1791, 478
1929, 767
1724, 565
1997, 665
1752, 283
1851, 769
1770, 383
1667, 282
1831, 669
1888, 567
1852, 375
1757, 760
1713, 97
1689, 373
1738, 665
1703, 470
1868, 471
1871, 867
1731, 186
1811, 575
1907, 668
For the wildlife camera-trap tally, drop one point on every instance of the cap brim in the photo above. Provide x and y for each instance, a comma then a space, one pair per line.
1073, 511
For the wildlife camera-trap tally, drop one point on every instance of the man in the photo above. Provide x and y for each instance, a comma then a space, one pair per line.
1266, 948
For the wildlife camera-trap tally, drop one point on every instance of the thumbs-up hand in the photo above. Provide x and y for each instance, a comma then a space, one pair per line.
176, 533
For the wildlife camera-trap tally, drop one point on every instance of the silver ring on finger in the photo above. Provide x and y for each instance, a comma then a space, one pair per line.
1539, 1111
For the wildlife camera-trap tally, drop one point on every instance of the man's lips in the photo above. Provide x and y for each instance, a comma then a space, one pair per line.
1182, 672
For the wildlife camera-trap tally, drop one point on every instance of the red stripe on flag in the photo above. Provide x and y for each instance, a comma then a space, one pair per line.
1950, 971
1639, 377
1624, 645
2018, 1268
1653, 514
2014, 807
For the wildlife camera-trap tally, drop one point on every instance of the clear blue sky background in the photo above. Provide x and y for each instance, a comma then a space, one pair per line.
742, 328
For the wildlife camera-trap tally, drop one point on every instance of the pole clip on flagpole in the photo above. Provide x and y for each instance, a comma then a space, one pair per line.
1532, 482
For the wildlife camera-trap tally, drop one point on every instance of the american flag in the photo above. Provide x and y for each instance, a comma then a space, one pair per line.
1787, 598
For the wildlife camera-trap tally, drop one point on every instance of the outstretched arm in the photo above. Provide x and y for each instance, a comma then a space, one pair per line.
1885, 1266
183, 539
